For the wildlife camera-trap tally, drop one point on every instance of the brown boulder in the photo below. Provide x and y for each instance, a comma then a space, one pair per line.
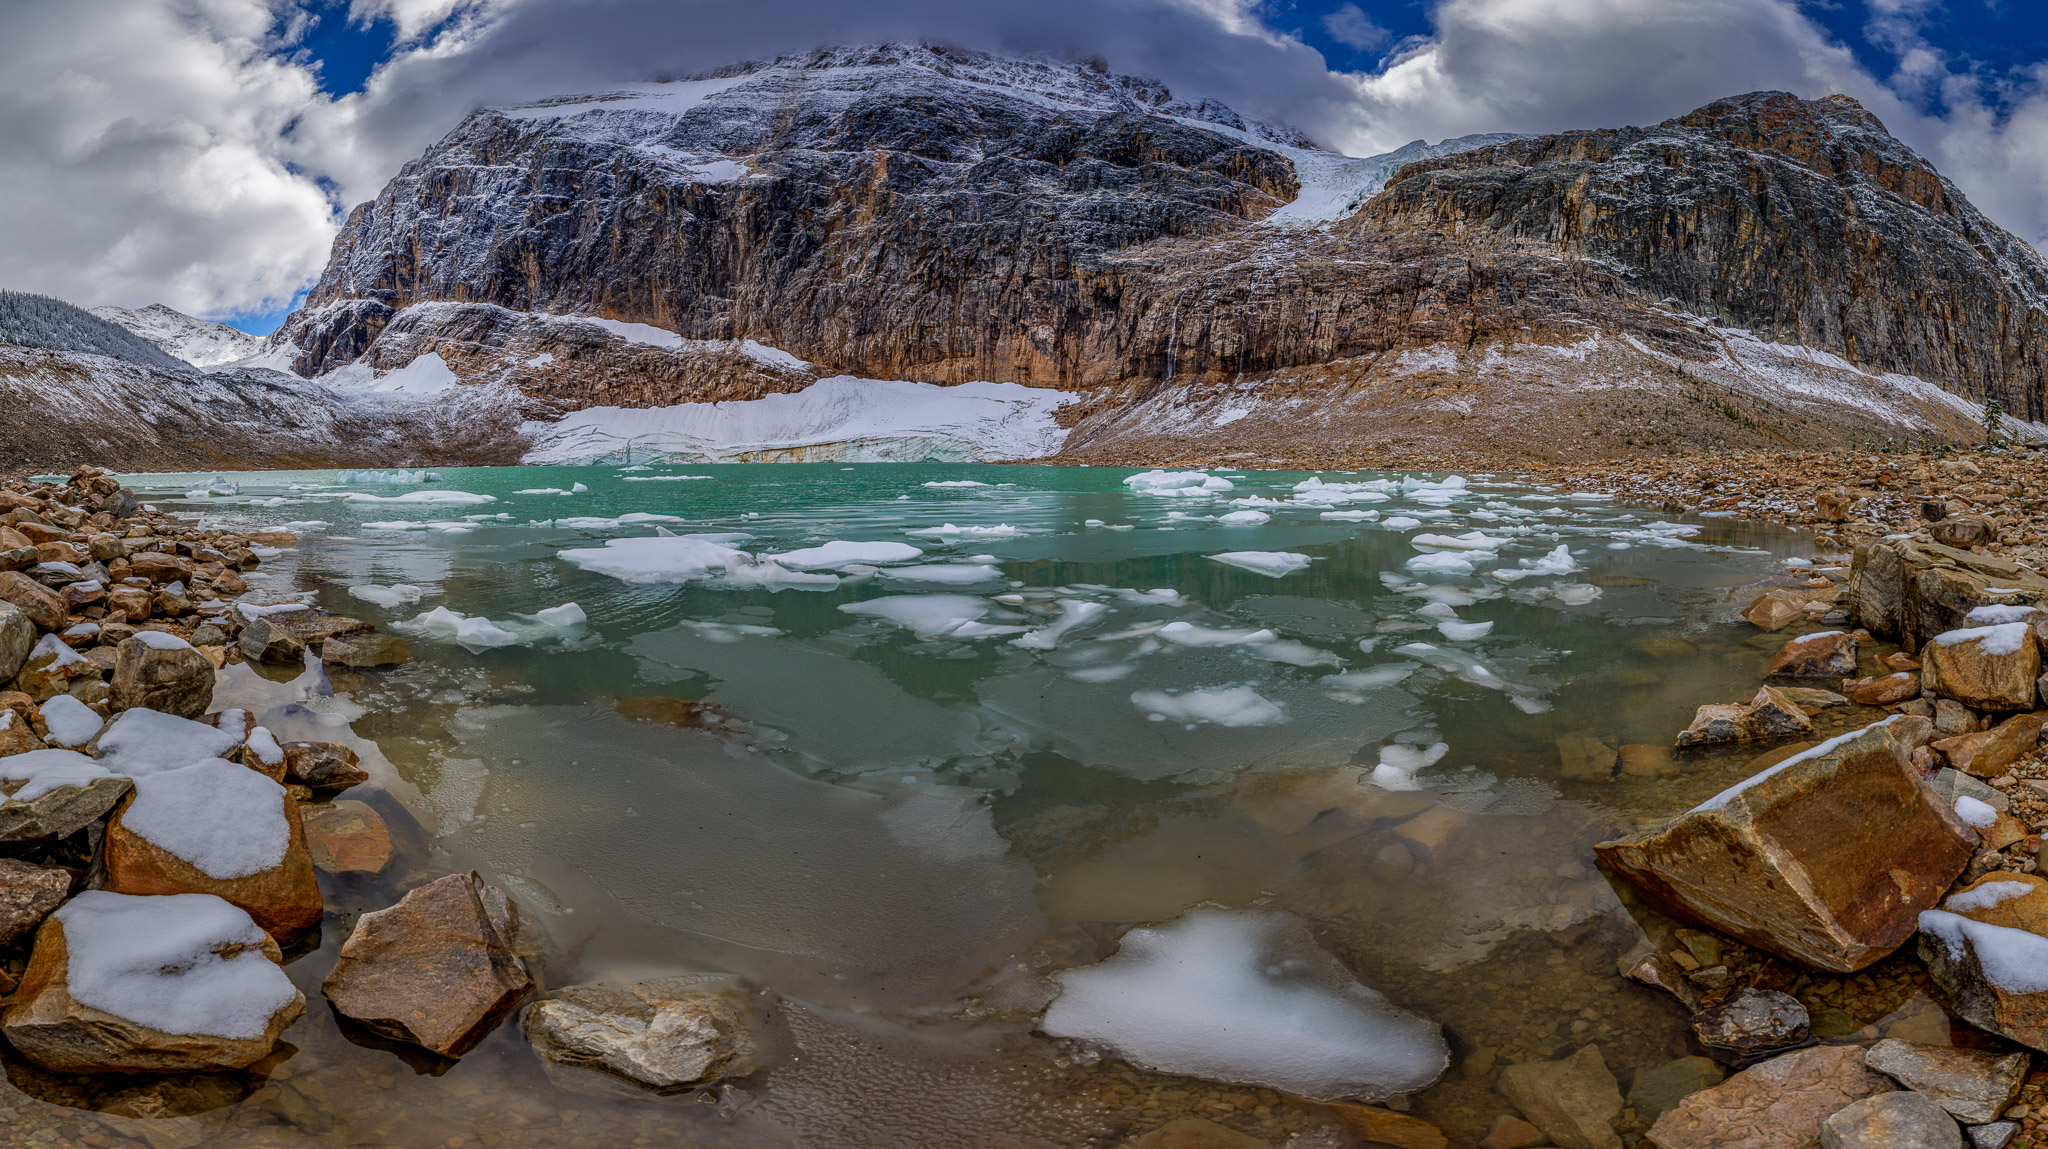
323, 765
263, 641
1990, 753
18, 734
130, 602
65, 792
1575, 1100
196, 985
439, 969
17, 638
314, 627
53, 668
1885, 691
1964, 532
347, 838
162, 672
1988, 948
1896, 1120
28, 893
1972, 1084
1828, 654
1825, 859
1768, 715
250, 852
43, 606
1776, 609
1779, 1104
1833, 506
1984, 667
159, 567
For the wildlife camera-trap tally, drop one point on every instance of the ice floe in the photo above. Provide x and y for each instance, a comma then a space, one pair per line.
1222, 706
1272, 564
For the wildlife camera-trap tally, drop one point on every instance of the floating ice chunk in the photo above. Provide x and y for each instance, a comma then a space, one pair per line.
41, 771
595, 523
726, 633
71, 723
423, 497
1223, 706
477, 632
1463, 631
1400, 522
1108, 673
1188, 634
2003, 638
1590, 497
140, 742
1294, 653
1245, 518
840, 553
1437, 610
397, 594
1990, 893
1247, 997
954, 574
1352, 516
227, 820
179, 963
1272, 564
543, 491
933, 615
446, 527
1998, 615
951, 531
1558, 561
1074, 613
566, 615
577, 488
253, 611
943, 484
663, 478
1470, 541
747, 570
1575, 594
1371, 678
1442, 562
1179, 484
2015, 961
1976, 813
675, 558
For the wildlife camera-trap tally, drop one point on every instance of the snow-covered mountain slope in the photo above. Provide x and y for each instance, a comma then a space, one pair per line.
54, 325
200, 342
1335, 186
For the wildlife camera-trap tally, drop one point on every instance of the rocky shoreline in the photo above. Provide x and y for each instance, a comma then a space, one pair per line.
1893, 821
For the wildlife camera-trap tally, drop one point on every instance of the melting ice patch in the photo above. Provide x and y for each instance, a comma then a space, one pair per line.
1221, 706
935, 615
1248, 997
1178, 484
1272, 564
423, 497
841, 553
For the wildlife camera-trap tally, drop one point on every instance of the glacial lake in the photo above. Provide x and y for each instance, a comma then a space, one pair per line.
1061, 720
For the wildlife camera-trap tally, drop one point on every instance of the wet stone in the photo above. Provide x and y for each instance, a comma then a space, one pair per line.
1574, 1100
1974, 1085
1657, 1090
1776, 1104
1751, 1024
1891, 1121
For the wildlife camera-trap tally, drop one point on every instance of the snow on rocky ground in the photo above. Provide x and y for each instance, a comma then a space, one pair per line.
201, 342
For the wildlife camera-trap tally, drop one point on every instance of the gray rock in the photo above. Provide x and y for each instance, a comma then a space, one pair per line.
178, 680
17, 638
264, 641
28, 893
1751, 1024
1993, 1135
1891, 1121
665, 1036
1950, 783
1952, 717
1657, 1090
323, 765
57, 813
1973, 1085
1576, 1100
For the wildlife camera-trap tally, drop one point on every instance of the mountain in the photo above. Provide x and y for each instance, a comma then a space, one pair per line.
1766, 271
200, 342
54, 325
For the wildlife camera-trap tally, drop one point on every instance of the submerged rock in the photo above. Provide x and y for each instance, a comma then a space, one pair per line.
1575, 1101
1973, 1085
121, 984
1768, 715
1778, 1104
1826, 858
1988, 948
1890, 1121
368, 649
439, 969
1751, 1024
1776, 609
1657, 1091
347, 837
1247, 997
664, 1036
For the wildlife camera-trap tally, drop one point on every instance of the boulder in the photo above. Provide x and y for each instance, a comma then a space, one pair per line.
1826, 654
1964, 532
162, 672
43, 606
1833, 506
663, 1036
121, 984
1995, 1135
1776, 609
249, 848
159, 568
323, 765
1973, 1085
1777, 1104
1511, 1132
370, 649
1574, 1100
1768, 715
1991, 753
1952, 717
53, 794
18, 734
1983, 667
1887, 690
1825, 859
264, 641
1377, 1126
1988, 948
315, 627
130, 602
28, 893
347, 837
1812, 698
439, 969
1890, 1121
1913, 591
1751, 1024
53, 668
17, 638
1584, 758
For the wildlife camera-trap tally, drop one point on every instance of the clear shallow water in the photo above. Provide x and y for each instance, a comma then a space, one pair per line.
900, 838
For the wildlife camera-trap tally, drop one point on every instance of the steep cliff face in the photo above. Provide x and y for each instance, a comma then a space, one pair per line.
914, 213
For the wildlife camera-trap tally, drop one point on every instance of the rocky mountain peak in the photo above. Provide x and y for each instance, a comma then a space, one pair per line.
1833, 135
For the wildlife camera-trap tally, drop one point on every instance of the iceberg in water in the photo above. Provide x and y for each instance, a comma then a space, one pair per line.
1247, 997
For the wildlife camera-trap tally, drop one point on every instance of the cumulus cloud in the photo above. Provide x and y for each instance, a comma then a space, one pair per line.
172, 150
140, 156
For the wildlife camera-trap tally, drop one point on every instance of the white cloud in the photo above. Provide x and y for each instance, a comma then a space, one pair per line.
1351, 27
140, 158
168, 150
